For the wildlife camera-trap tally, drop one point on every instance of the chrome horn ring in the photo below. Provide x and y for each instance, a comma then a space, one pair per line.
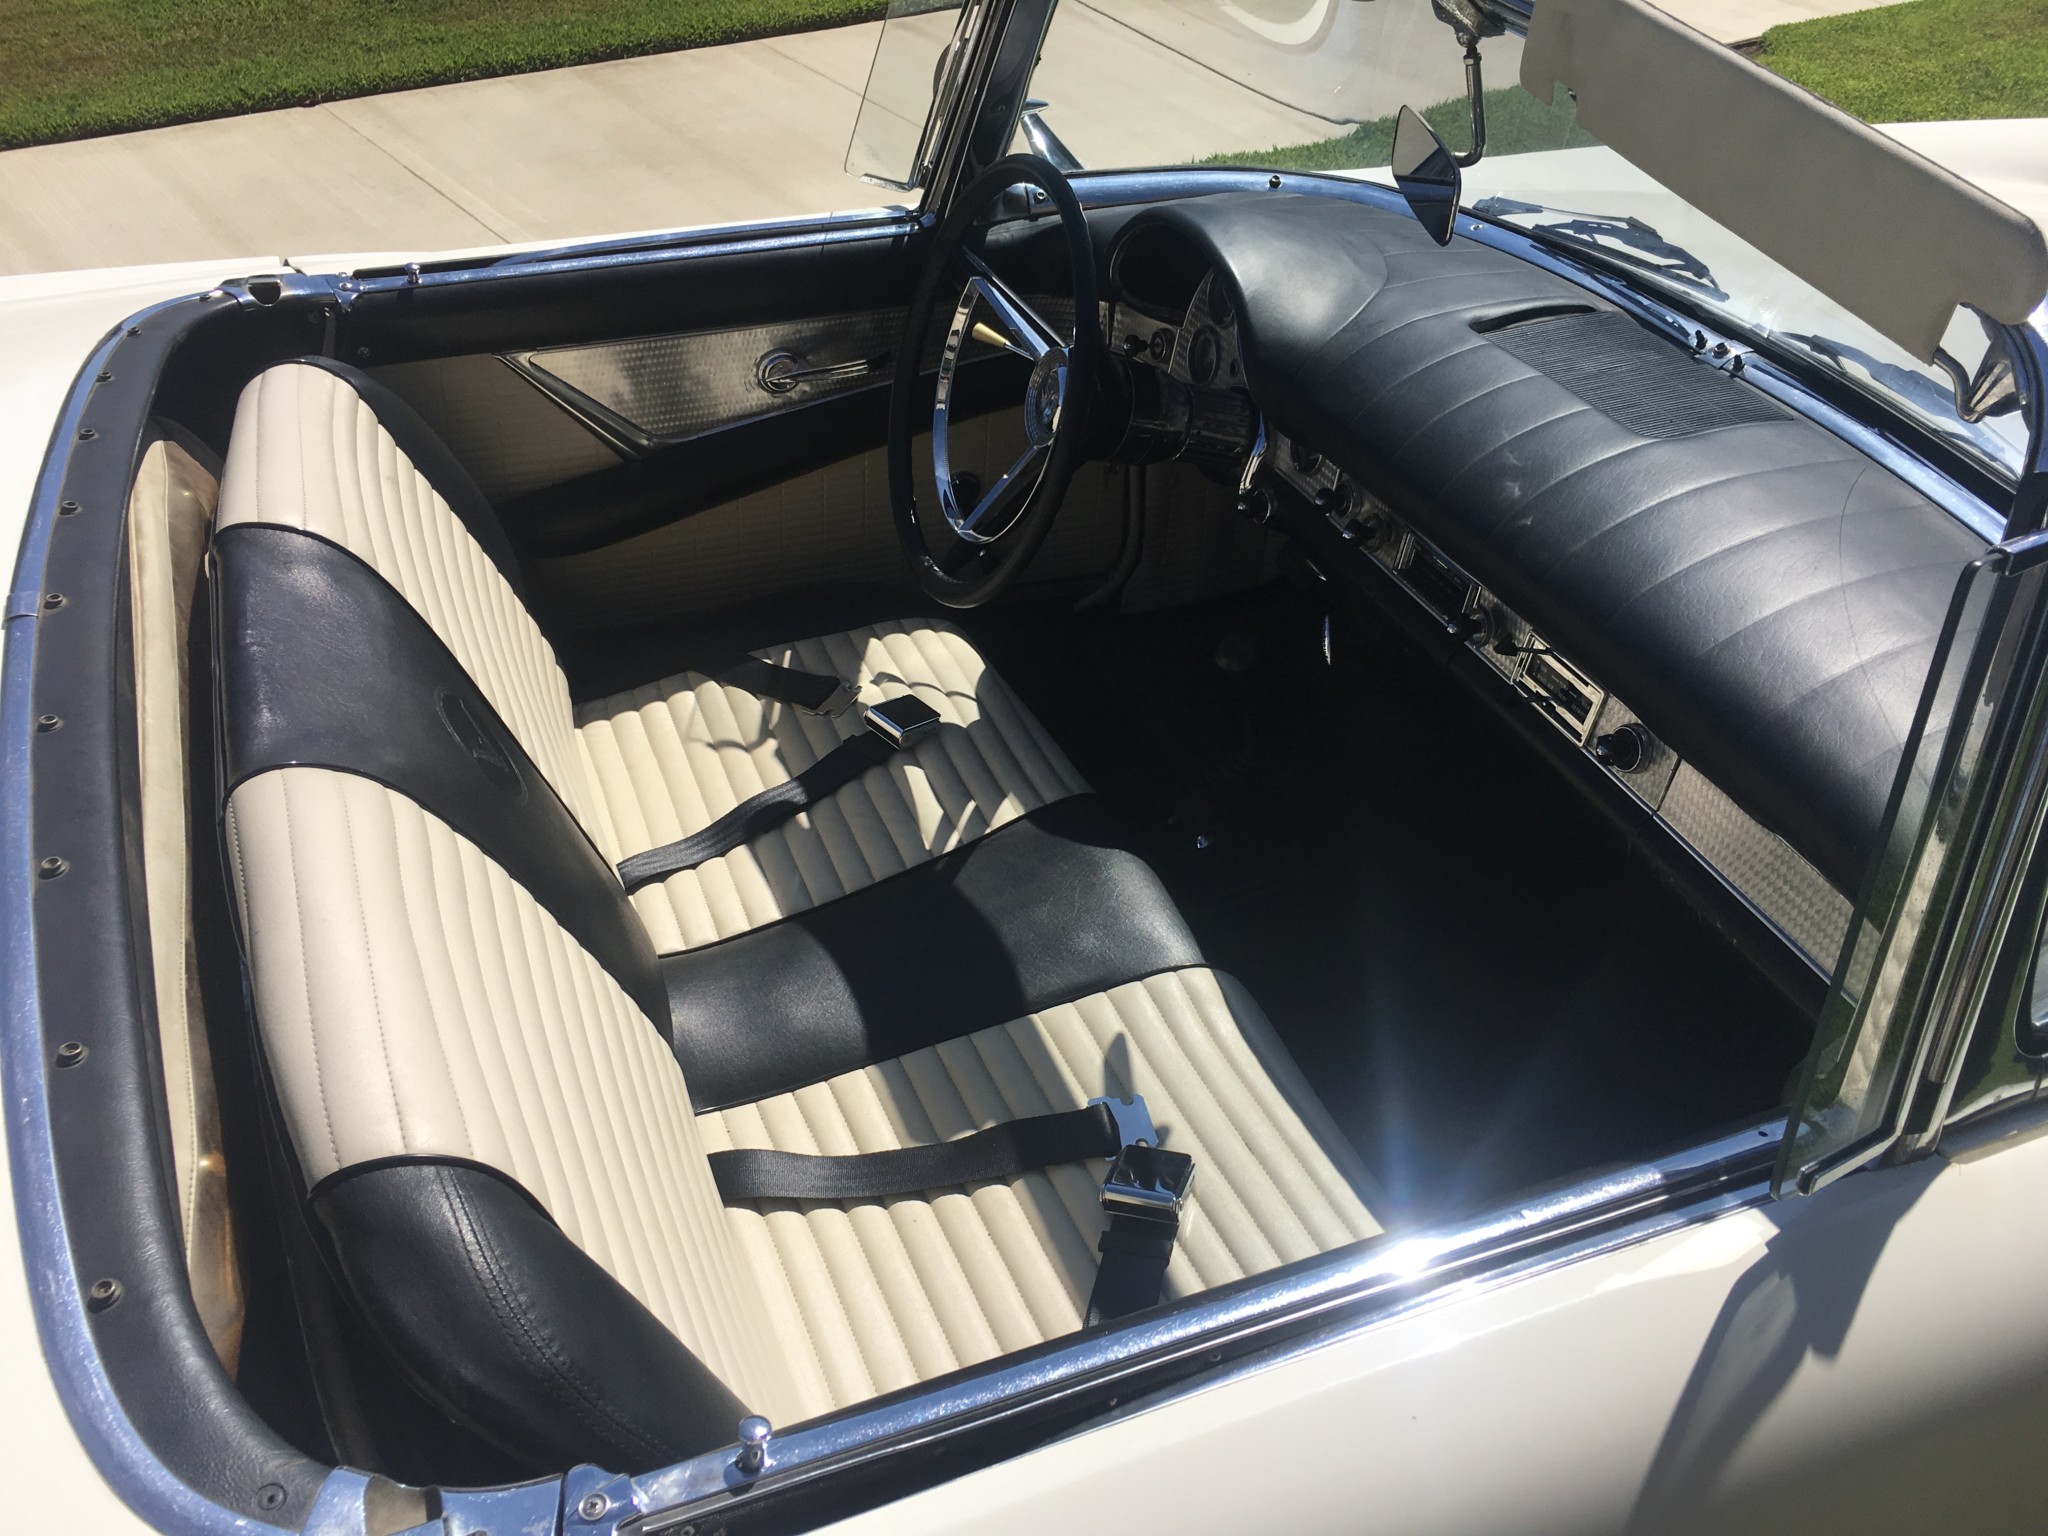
978, 544
1027, 335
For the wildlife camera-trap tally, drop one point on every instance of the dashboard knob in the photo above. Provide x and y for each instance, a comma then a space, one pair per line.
1624, 749
1476, 627
1257, 504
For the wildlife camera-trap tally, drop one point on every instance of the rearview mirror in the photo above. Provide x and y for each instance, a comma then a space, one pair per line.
1427, 174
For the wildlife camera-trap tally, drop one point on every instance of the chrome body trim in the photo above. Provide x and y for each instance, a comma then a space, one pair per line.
1618, 1206
102, 1425
729, 240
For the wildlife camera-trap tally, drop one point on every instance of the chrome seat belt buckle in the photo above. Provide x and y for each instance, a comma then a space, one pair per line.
900, 721
1145, 1180
1148, 1182
835, 703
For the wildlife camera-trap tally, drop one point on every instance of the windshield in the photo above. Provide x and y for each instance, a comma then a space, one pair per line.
1314, 85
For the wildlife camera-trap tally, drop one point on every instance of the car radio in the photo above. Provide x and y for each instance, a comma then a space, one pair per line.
1767, 872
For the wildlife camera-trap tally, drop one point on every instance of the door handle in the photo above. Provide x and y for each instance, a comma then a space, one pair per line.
780, 371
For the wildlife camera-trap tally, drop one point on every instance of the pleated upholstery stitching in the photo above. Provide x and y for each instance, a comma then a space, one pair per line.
667, 760
1181, 1023
621, 1172
399, 525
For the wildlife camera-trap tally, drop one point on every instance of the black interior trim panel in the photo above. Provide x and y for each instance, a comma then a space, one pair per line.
1051, 907
1767, 596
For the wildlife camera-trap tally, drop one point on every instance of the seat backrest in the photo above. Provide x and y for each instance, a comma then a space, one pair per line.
456, 1004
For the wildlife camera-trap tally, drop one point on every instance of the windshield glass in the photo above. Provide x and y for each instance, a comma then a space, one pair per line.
1314, 85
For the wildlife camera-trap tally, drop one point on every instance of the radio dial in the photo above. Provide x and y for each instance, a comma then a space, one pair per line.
1624, 749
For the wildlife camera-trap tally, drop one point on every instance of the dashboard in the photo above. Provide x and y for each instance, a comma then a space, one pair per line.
1725, 611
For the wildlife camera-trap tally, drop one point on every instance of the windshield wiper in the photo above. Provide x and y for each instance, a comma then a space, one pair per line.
1625, 238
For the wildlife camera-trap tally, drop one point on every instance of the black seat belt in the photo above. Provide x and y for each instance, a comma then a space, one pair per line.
814, 693
1143, 1194
892, 725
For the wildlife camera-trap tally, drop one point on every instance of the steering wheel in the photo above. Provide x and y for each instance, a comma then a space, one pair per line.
972, 546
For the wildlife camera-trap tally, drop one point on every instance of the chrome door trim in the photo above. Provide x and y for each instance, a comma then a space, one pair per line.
1350, 1289
680, 245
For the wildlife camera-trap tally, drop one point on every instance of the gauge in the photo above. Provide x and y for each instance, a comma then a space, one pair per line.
1220, 309
1204, 353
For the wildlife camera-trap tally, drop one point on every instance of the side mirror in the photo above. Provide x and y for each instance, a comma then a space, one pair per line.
1427, 174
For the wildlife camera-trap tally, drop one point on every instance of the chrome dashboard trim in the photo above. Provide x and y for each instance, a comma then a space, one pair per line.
1612, 1207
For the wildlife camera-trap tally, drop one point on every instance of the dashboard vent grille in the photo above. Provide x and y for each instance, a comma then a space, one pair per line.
1624, 372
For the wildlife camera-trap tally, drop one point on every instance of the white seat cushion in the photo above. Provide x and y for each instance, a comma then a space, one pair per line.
872, 1296
669, 758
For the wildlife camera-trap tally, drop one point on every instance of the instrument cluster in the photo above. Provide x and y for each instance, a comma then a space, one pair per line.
1200, 349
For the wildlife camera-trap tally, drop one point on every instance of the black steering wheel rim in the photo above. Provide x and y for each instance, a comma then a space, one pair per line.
973, 565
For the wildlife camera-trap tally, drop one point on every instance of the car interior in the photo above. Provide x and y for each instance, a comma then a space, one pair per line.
1408, 713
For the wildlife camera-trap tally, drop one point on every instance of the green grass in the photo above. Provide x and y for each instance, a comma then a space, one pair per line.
74, 68
1924, 61
1516, 123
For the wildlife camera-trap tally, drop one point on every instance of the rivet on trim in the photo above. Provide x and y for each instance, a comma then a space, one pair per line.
52, 867
87, 434
270, 1496
48, 723
70, 1053
104, 376
102, 1294
53, 600
67, 509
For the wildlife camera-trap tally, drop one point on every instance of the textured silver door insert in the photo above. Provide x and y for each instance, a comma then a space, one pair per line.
666, 389
645, 391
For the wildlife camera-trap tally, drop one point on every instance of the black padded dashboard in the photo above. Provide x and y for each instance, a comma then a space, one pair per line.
1766, 596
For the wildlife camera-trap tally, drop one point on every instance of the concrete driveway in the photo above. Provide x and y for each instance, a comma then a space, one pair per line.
713, 135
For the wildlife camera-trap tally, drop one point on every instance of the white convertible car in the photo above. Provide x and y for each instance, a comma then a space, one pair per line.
1202, 848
